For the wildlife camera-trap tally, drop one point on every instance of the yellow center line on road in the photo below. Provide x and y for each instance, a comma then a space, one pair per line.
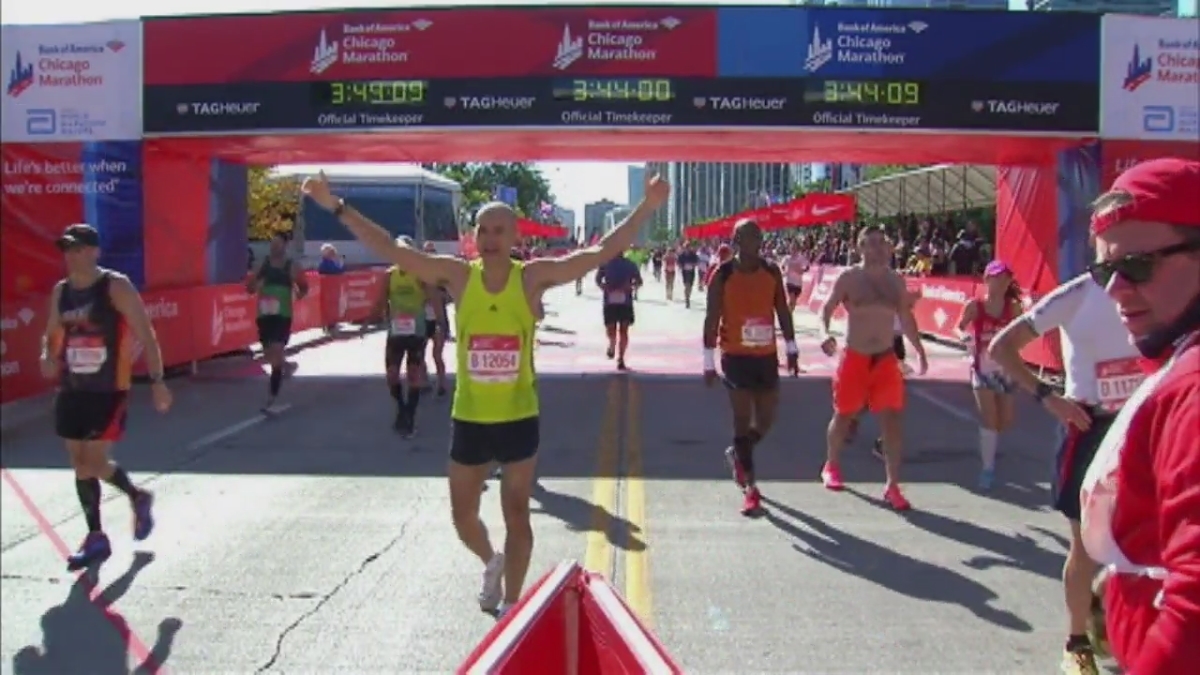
600, 555
637, 565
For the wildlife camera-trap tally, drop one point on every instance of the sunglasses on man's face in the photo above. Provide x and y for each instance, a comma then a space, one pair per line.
1137, 268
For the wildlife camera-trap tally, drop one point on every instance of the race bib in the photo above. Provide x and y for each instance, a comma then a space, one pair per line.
758, 333
268, 306
494, 358
86, 355
404, 325
430, 315
616, 298
1116, 381
688, 268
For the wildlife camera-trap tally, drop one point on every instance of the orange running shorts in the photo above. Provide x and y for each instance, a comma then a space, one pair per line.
868, 381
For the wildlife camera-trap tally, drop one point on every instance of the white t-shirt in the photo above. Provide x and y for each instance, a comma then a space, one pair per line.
797, 264
1102, 366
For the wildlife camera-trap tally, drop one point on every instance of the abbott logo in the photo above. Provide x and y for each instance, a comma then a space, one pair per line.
819, 53
1158, 119
569, 50
324, 56
41, 122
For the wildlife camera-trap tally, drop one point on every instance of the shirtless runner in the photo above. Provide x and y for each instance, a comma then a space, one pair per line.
868, 373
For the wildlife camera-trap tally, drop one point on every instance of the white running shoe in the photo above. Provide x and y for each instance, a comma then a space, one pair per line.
491, 588
504, 609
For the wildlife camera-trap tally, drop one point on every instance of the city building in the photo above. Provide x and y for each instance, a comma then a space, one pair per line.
593, 219
708, 190
615, 215
637, 183
1147, 7
565, 217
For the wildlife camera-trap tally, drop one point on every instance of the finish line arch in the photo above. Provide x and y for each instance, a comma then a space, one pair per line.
764, 84
152, 146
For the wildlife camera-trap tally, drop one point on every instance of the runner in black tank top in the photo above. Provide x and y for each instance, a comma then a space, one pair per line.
278, 282
88, 347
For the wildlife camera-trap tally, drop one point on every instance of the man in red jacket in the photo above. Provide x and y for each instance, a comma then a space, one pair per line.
1141, 495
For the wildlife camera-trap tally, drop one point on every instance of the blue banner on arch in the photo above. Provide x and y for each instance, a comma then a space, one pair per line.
912, 44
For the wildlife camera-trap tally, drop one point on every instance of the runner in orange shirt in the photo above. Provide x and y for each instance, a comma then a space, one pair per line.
744, 301
868, 373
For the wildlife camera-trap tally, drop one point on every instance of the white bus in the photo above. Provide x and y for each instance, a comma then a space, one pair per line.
404, 198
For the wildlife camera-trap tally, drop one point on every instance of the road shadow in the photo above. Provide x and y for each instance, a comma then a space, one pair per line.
889, 569
1015, 551
85, 635
580, 515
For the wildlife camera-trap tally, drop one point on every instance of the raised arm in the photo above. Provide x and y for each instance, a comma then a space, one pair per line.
548, 272
428, 267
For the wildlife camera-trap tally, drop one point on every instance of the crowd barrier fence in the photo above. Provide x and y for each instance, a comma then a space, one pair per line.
192, 324
195, 324
938, 308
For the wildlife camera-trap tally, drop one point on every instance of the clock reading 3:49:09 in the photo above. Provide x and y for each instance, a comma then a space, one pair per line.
371, 92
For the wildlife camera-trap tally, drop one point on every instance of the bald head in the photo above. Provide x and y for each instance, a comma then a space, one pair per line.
495, 214
747, 238
495, 230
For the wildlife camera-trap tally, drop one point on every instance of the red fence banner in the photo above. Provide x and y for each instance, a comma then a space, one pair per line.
22, 324
192, 324
807, 211
570, 621
940, 303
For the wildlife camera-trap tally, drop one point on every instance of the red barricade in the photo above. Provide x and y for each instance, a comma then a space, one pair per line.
21, 327
570, 621
937, 311
192, 324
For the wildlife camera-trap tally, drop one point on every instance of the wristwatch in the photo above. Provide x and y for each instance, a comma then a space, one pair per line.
1042, 391
340, 208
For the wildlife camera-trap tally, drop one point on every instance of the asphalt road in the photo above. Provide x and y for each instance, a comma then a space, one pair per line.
316, 541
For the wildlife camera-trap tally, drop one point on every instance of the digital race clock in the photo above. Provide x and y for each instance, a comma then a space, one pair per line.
370, 92
867, 92
624, 89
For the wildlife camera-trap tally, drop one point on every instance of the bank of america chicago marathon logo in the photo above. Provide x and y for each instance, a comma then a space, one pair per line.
1138, 71
616, 40
58, 68
364, 43
861, 43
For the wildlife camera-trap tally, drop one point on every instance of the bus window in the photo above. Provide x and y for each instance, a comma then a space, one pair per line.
440, 222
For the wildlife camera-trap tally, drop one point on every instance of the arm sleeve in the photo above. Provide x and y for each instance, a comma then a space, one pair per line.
1059, 307
1174, 638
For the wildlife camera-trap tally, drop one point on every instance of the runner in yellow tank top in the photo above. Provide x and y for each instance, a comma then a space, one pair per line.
495, 413
402, 301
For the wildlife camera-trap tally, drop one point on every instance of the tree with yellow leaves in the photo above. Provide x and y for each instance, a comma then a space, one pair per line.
273, 202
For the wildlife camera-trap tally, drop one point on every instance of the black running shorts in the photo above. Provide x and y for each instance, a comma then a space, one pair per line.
750, 373
90, 415
1074, 455
478, 443
408, 350
274, 330
794, 291
618, 314
689, 278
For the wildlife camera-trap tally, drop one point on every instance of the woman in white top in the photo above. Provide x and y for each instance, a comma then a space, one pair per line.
981, 320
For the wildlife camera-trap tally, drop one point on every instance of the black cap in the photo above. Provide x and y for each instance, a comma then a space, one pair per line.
79, 234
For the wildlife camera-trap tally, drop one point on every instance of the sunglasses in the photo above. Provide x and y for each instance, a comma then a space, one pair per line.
1137, 268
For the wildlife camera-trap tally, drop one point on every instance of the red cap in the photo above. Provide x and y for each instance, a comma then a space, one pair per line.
1163, 190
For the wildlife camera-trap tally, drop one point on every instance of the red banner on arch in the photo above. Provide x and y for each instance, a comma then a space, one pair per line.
457, 42
807, 211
